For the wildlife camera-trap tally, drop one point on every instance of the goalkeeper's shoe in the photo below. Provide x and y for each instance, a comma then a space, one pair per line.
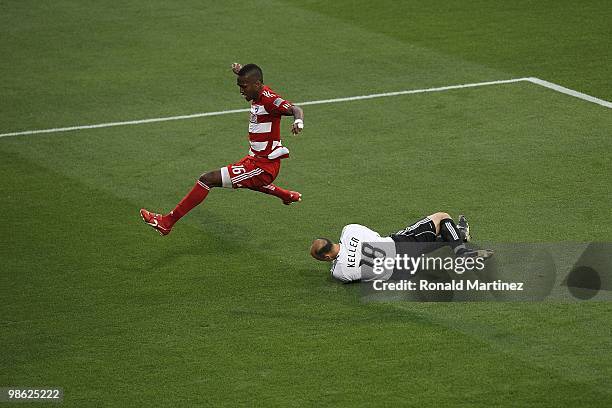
476, 253
464, 229
294, 197
156, 221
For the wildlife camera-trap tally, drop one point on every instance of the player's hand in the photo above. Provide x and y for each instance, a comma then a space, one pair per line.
297, 126
236, 67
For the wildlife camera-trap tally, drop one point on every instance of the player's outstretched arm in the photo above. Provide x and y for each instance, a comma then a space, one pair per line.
236, 67
298, 119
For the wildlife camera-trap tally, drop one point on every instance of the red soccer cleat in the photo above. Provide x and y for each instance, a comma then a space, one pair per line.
294, 197
156, 221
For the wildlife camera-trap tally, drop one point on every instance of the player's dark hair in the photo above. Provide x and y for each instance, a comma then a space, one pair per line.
325, 249
251, 70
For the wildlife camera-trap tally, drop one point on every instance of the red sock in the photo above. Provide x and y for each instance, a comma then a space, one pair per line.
275, 191
197, 194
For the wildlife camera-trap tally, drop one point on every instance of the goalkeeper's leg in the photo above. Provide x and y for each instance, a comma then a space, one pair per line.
456, 236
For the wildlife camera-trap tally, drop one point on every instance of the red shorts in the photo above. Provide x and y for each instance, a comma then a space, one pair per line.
250, 172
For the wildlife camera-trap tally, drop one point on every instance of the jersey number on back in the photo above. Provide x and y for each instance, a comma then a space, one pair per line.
369, 253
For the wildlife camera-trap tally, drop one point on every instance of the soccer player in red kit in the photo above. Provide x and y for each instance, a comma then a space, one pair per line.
259, 168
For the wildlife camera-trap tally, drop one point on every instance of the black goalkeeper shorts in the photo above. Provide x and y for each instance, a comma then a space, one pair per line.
423, 230
415, 240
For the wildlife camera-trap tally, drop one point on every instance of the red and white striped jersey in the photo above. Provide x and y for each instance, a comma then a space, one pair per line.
264, 125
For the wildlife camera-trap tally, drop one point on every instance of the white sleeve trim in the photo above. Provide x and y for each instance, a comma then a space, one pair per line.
225, 178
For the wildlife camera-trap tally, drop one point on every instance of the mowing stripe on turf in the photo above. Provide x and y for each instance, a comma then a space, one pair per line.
533, 80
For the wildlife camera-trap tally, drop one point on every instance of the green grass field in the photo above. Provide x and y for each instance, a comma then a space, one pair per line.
230, 310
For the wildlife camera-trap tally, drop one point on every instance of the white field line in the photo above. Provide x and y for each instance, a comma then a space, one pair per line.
568, 91
414, 91
536, 81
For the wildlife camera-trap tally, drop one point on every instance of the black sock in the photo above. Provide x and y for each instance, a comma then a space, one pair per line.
451, 235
